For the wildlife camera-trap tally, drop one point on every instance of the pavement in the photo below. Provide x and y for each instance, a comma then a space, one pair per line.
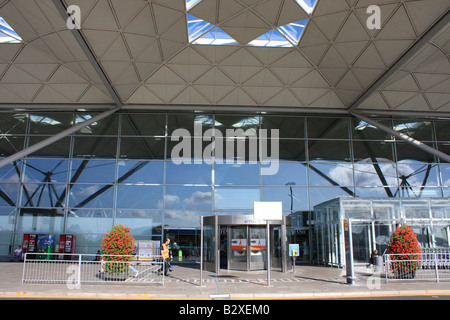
308, 282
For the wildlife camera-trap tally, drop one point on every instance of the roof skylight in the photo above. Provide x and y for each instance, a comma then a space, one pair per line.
205, 33
7, 33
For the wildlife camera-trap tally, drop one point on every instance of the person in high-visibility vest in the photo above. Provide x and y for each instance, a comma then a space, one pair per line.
165, 255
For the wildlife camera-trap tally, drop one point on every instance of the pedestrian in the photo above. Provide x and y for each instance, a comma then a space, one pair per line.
17, 253
372, 258
165, 256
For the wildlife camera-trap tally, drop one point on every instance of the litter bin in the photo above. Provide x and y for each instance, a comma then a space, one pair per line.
378, 263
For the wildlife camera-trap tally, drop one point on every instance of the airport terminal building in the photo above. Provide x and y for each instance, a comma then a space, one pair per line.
154, 114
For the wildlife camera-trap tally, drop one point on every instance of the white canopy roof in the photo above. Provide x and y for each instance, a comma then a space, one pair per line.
137, 54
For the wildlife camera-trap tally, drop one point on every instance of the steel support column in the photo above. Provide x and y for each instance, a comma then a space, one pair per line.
404, 137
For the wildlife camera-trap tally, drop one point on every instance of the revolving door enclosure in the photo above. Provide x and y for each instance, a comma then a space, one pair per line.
238, 242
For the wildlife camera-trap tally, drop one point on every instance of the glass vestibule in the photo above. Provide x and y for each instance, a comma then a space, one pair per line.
373, 221
241, 243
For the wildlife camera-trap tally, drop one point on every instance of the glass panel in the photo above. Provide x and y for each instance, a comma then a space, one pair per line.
94, 147
7, 219
139, 197
188, 122
375, 174
445, 148
356, 209
236, 197
416, 210
8, 194
298, 200
13, 123
9, 173
322, 194
188, 198
288, 172
419, 130
209, 243
50, 123
328, 174
106, 126
10, 145
93, 171
237, 174
361, 242
409, 153
383, 210
140, 222
289, 150
441, 236
89, 221
376, 192
143, 125
188, 173
43, 220
440, 209
329, 150
140, 172
238, 252
248, 124
44, 195
91, 196
57, 149
189, 151
363, 130
442, 132
257, 247
45, 170
142, 148
183, 219
289, 127
330, 128
375, 151
418, 175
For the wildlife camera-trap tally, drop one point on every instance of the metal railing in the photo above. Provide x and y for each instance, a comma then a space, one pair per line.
429, 265
77, 269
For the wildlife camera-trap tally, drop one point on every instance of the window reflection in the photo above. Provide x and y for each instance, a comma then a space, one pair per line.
240, 198
8, 194
142, 148
293, 199
328, 128
287, 172
375, 151
140, 172
364, 130
139, 197
188, 198
188, 173
91, 196
329, 150
58, 149
330, 174
92, 171
106, 126
410, 153
15, 123
10, 145
237, 174
143, 125
94, 147
50, 123
289, 127
419, 130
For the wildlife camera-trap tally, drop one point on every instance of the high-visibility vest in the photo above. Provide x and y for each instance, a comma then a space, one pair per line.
165, 251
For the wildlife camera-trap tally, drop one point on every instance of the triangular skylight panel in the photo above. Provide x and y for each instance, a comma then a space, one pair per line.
7, 33
205, 33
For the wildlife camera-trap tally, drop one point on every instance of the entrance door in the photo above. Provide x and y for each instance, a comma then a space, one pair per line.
257, 248
237, 257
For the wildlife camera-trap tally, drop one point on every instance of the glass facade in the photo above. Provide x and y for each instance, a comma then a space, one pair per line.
121, 170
